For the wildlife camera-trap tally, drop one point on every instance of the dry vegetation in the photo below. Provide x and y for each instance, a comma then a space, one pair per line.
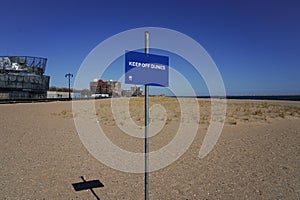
64, 113
237, 111
259, 112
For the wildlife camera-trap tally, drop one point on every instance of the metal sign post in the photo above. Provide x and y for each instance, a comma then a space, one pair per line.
146, 126
146, 69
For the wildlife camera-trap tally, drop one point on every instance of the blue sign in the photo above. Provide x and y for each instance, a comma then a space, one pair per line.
146, 69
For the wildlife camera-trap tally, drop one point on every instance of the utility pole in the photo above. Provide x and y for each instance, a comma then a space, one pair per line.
69, 76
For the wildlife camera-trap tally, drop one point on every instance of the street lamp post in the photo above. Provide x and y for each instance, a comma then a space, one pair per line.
69, 76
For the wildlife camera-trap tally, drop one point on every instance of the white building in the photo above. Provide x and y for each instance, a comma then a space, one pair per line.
55, 95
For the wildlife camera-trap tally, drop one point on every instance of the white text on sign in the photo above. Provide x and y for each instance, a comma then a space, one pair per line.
147, 65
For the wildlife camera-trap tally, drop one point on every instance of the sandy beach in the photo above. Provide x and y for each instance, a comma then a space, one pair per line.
256, 157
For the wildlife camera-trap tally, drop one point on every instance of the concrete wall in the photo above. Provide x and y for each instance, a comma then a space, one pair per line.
54, 94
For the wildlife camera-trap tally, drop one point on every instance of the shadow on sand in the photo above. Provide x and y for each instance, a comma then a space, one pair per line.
88, 185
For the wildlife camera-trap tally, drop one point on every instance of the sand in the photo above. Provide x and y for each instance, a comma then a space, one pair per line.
256, 157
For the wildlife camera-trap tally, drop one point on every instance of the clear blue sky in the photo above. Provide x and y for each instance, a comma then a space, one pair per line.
255, 44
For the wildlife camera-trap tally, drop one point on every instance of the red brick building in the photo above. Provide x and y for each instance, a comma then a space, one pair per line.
112, 88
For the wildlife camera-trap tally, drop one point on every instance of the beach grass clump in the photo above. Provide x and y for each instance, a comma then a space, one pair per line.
64, 114
258, 112
232, 122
